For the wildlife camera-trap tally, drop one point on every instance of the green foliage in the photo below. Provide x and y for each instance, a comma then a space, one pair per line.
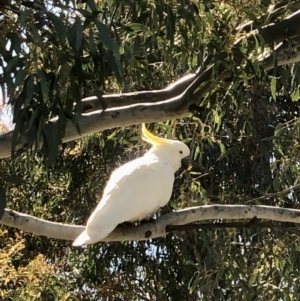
244, 142
2, 200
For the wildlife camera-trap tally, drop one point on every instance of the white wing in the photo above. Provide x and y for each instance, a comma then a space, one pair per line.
134, 191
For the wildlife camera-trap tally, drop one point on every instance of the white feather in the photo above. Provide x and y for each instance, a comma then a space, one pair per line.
134, 191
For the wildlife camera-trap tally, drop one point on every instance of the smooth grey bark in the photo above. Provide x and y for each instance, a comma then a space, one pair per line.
154, 229
174, 102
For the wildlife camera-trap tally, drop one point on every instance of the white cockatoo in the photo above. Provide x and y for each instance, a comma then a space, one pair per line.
136, 189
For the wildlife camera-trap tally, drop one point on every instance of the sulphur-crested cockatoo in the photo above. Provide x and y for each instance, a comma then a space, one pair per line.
136, 189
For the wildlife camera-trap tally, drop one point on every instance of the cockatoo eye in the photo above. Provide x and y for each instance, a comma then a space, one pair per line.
180, 152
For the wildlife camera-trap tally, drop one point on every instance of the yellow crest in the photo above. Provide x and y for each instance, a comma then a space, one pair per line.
154, 140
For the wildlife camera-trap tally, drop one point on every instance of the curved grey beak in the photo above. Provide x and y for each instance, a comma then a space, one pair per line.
186, 162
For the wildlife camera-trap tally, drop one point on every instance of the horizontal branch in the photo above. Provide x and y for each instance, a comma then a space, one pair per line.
254, 222
154, 229
95, 121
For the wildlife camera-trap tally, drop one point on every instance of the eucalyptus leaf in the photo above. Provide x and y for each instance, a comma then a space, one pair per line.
136, 27
105, 35
60, 27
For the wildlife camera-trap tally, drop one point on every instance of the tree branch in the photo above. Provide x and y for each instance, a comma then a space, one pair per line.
285, 29
271, 15
157, 228
126, 99
89, 123
254, 222
285, 53
132, 108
